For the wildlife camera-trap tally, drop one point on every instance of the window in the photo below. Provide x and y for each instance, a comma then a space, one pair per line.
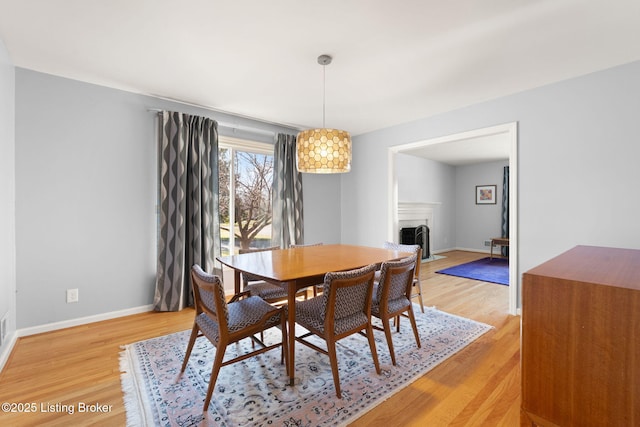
245, 200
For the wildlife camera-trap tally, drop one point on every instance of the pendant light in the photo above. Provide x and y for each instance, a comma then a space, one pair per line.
323, 150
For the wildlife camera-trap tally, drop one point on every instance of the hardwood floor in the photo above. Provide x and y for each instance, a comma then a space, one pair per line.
480, 386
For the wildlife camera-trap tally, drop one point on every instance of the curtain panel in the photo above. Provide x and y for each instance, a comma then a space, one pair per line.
189, 226
505, 209
288, 216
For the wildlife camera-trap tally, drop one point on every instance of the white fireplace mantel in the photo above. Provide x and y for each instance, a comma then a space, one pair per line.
411, 211
413, 214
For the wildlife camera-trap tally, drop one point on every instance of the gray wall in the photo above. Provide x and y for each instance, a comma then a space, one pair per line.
427, 181
7, 195
321, 198
460, 223
477, 223
577, 164
85, 182
86, 196
85, 199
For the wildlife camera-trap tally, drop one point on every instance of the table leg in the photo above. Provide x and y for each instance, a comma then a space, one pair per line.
291, 291
236, 281
491, 256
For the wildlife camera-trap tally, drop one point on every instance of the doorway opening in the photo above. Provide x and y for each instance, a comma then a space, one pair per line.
473, 143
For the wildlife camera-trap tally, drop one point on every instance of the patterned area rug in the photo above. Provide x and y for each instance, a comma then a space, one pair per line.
253, 392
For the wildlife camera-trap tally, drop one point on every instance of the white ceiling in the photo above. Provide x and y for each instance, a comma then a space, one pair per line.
466, 151
394, 62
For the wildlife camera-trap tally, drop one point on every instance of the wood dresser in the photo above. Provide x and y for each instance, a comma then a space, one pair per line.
581, 339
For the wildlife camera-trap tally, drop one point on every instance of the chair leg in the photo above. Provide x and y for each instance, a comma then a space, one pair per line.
192, 340
419, 286
387, 334
372, 346
215, 369
333, 359
412, 318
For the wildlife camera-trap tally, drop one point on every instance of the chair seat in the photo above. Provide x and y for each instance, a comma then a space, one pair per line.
309, 314
267, 291
224, 323
343, 309
392, 297
242, 314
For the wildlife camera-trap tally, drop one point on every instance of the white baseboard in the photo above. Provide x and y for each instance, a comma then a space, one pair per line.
439, 251
24, 332
8, 347
482, 251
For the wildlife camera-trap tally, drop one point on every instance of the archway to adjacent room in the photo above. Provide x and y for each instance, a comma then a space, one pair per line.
478, 137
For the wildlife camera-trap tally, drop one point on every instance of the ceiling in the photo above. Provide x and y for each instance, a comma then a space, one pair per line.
466, 151
393, 62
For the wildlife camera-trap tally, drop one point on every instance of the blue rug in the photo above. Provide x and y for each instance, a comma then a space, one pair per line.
494, 270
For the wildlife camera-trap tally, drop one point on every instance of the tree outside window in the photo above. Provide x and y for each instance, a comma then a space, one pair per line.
249, 210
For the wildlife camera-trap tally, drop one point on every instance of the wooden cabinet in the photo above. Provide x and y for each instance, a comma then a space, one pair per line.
581, 339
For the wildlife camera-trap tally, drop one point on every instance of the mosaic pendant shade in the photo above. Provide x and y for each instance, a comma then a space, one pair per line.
323, 151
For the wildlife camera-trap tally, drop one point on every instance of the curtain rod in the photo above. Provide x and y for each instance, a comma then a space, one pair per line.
233, 126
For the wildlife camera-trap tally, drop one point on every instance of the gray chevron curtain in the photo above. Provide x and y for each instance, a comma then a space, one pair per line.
189, 228
288, 218
505, 208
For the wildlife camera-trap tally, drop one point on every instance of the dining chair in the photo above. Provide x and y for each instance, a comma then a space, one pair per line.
270, 292
343, 309
417, 249
392, 297
226, 323
317, 288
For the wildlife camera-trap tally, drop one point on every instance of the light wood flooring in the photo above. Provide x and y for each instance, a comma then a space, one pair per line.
480, 386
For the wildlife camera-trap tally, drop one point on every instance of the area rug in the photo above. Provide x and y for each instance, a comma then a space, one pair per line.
254, 392
494, 270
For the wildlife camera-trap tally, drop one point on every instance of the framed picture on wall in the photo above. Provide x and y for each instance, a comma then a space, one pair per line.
486, 194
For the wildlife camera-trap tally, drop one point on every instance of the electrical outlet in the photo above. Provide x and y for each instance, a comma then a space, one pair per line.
72, 295
487, 243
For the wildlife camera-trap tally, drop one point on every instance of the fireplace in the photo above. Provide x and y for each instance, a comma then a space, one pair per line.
419, 220
416, 236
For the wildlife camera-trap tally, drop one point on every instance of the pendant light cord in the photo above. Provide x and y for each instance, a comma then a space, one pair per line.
324, 92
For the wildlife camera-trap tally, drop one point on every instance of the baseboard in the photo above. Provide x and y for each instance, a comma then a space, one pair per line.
481, 251
439, 251
24, 332
8, 348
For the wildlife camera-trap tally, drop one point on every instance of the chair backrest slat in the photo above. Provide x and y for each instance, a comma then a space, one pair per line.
347, 293
417, 249
208, 295
396, 279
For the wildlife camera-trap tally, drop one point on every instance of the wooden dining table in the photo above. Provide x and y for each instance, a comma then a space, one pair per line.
299, 267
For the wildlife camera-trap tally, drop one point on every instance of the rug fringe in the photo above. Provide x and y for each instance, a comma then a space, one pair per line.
462, 318
133, 402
